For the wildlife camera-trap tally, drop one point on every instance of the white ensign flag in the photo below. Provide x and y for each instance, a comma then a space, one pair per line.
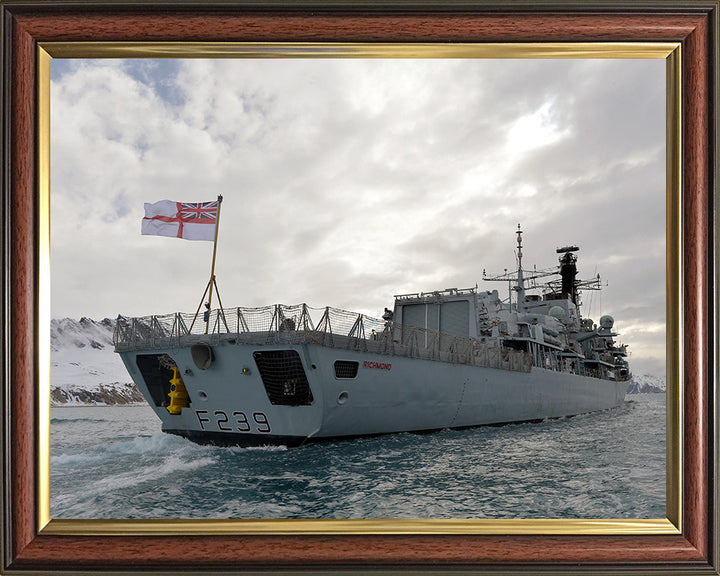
191, 221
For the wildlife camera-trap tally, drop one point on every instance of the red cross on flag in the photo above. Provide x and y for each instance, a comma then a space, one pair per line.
191, 221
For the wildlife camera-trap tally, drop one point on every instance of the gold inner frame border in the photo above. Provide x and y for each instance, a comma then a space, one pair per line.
671, 52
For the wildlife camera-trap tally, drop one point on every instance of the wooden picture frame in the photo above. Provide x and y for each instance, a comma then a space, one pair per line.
30, 544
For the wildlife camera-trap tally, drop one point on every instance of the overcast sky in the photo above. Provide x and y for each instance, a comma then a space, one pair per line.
346, 182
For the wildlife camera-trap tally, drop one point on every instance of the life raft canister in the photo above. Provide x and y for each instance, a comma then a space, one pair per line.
179, 398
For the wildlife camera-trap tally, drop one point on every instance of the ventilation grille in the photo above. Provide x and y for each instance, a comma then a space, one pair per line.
284, 378
346, 369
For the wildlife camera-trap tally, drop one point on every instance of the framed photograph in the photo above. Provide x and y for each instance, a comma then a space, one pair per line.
343, 186
677, 38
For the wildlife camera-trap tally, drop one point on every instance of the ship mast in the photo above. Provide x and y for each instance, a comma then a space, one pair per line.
520, 277
520, 288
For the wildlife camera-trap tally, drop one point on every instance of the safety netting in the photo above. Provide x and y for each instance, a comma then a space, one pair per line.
302, 324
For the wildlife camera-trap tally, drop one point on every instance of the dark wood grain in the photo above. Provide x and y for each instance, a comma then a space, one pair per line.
362, 28
22, 316
697, 193
223, 552
693, 27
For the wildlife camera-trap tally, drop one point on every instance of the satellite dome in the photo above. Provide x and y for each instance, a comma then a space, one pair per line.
557, 312
607, 322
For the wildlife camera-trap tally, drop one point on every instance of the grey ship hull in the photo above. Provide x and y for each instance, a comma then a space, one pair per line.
228, 403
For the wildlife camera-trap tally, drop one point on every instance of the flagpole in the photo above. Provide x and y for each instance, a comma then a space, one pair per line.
212, 269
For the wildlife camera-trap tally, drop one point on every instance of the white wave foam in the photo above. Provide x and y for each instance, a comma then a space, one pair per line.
172, 464
73, 459
241, 449
146, 445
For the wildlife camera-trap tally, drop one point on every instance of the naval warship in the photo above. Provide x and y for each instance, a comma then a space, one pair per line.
453, 358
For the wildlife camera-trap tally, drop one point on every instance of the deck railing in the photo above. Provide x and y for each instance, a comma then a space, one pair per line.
301, 324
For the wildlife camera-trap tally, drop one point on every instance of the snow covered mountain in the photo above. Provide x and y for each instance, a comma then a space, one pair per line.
646, 384
84, 369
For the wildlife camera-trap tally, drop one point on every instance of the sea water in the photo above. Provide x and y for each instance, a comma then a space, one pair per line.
113, 462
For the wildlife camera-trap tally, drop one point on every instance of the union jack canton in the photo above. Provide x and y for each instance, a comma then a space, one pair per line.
194, 211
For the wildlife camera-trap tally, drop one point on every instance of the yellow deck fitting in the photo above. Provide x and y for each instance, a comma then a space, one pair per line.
179, 398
